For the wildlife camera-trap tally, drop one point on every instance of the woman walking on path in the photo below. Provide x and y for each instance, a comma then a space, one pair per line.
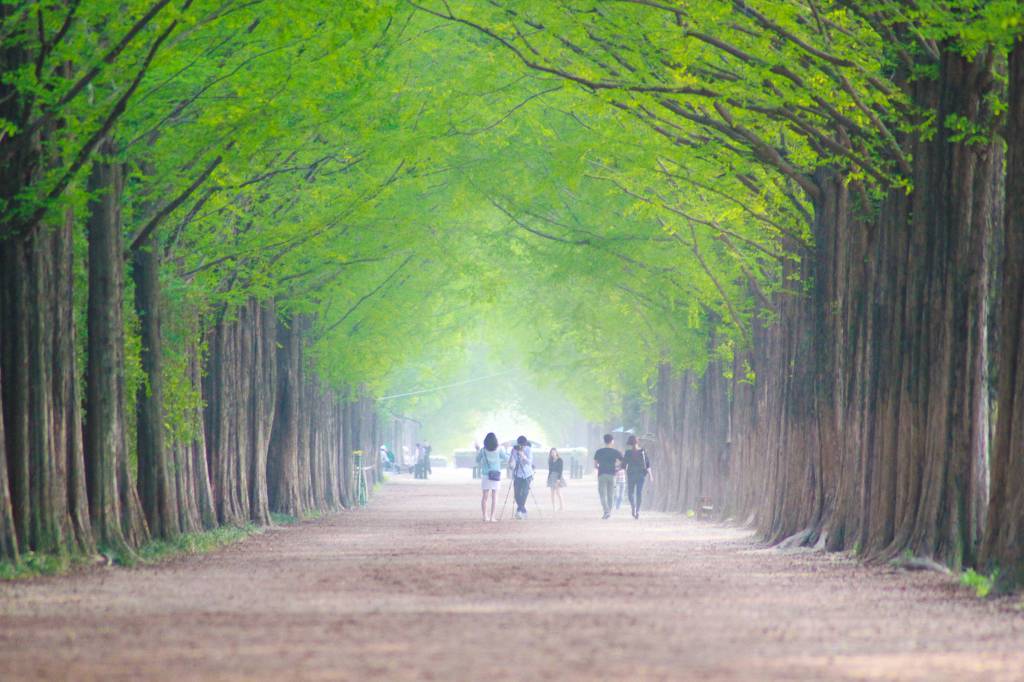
638, 469
555, 480
490, 460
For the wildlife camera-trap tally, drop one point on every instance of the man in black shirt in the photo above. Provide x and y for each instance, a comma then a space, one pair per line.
605, 460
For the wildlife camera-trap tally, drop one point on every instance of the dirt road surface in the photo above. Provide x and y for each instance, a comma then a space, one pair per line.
416, 587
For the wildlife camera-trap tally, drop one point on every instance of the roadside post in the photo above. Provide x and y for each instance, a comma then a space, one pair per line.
361, 494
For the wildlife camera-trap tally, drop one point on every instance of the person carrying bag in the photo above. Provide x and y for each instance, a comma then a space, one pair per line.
490, 460
638, 470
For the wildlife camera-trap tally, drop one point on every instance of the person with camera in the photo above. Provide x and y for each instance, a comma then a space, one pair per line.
521, 469
490, 459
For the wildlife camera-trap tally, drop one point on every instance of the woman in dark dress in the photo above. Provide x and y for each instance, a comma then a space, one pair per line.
555, 480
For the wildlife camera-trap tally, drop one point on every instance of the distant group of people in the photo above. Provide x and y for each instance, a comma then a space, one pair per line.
491, 459
418, 463
632, 468
422, 467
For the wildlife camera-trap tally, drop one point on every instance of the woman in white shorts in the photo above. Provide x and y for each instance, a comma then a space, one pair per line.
490, 459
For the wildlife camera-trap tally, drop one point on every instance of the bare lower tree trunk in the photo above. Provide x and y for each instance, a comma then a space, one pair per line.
157, 486
866, 426
1003, 547
222, 393
8, 536
16, 385
68, 436
113, 502
264, 394
199, 460
283, 457
40, 410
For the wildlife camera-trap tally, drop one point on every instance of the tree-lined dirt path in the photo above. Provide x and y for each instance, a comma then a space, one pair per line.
416, 587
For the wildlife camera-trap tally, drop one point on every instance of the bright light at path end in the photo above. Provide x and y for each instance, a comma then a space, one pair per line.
508, 424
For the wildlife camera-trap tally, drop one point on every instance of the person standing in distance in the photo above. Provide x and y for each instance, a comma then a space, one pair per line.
605, 460
490, 459
426, 460
638, 469
521, 469
555, 480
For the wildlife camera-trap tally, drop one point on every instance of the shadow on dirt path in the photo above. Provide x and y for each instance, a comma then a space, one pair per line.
417, 587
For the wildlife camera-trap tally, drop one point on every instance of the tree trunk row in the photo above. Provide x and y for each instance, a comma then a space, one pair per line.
270, 435
867, 427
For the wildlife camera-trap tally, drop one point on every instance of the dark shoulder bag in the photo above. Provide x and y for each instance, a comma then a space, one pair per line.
492, 474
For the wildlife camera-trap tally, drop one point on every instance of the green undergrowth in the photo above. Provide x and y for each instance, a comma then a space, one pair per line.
280, 519
155, 551
32, 565
981, 584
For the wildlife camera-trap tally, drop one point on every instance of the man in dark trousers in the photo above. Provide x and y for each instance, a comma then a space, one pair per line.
520, 466
417, 470
426, 460
606, 460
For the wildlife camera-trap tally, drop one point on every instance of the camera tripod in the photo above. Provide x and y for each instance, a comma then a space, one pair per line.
511, 485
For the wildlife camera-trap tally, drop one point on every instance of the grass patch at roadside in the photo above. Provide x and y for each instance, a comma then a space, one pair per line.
189, 543
280, 519
32, 565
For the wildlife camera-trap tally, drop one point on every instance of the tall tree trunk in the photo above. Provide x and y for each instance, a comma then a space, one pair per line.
16, 359
264, 394
38, 364
955, 207
113, 502
866, 427
16, 177
197, 451
223, 397
37, 354
283, 457
157, 486
68, 436
1003, 548
8, 535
